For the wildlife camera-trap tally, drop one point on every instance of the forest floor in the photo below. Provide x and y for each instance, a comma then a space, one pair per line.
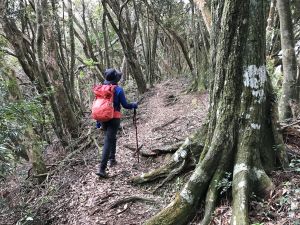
74, 195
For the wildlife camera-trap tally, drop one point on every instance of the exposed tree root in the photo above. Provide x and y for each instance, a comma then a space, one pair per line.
241, 184
142, 153
130, 199
189, 151
171, 175
167, 149
156, 151
180, 210
177, 212
164, 125
161, 172
211, 199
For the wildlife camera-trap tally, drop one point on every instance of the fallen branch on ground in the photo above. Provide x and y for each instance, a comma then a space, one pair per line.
142, 153
130, 199
171, 175
164, 125
289, 125
167, 149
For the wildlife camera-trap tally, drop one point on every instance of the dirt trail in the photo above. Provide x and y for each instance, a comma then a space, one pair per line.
75, 195
93, 198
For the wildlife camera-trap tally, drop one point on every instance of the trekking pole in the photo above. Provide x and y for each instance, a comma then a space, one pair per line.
137, 151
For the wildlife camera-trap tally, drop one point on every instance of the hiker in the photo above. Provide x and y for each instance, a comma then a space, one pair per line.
112, 77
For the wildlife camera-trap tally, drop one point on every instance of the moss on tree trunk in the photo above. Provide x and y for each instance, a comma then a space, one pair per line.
239, 108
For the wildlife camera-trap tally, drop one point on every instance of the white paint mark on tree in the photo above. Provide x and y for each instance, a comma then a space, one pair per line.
258, 172
239, 168
187, 195
198, 176
242, 184
255, 126
255, 79
233, 220
183, 154
187, 141
176, 156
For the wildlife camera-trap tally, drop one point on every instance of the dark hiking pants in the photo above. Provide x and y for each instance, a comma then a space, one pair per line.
110, 140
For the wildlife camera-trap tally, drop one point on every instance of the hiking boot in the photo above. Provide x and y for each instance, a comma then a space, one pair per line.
102, 174
113, 163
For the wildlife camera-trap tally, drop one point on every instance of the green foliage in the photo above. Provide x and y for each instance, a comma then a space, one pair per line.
295, 165
6, 161
81, 74
225, 184
15, 117
89, 62
173, 13
97, 12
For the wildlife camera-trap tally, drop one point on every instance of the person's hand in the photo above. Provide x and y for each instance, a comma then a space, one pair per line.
134, 105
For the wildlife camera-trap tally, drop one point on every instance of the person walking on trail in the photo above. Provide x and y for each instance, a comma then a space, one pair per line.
112, 77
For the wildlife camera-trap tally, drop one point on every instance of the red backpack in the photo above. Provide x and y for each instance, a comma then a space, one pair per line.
103, 106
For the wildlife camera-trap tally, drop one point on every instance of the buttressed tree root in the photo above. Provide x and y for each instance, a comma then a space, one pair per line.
240, 105
186, 156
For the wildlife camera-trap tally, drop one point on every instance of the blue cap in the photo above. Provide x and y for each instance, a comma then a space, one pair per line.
112, 75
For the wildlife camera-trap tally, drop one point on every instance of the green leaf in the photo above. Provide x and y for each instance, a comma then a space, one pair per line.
81, 74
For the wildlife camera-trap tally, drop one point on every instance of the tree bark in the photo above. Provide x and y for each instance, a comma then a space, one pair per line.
106, 40
126, 33
204, 6
238, 108
41, 68
272, 36
72, 48
69, 119
290, 90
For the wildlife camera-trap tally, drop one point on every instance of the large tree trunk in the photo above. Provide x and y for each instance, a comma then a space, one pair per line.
44, 77
290, 90
69, 119
239, 106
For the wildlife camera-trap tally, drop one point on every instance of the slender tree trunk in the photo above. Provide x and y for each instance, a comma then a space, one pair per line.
153, 54
72, 48
271, 27
126, 34
204, 6
88, 40
142, 35
290, 90
106, 40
